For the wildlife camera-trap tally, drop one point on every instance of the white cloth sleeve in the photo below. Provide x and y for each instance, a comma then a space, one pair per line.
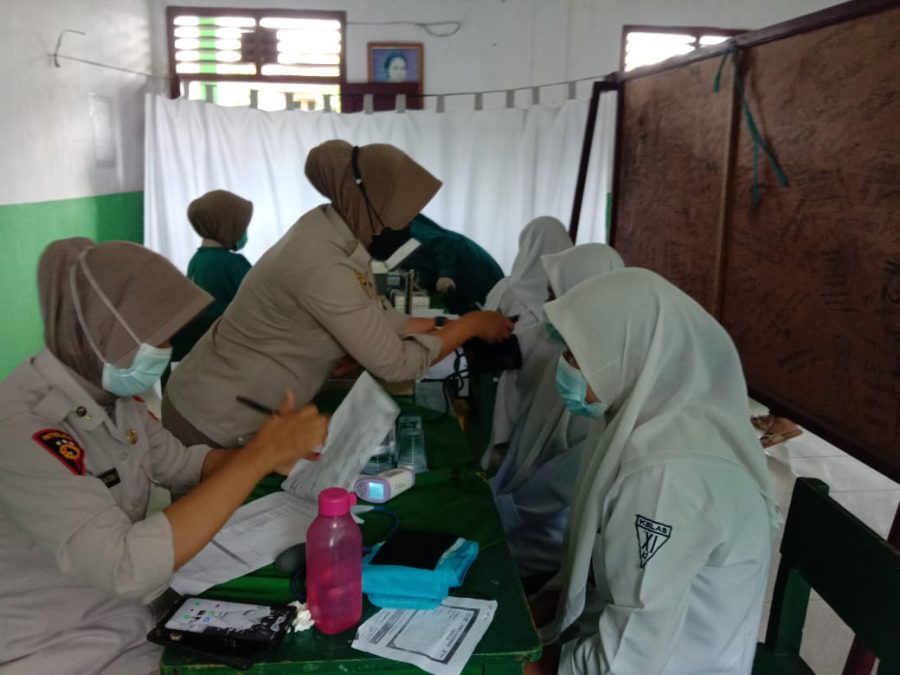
658, 531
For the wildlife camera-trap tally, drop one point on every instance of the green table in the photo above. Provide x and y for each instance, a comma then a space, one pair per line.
453, 497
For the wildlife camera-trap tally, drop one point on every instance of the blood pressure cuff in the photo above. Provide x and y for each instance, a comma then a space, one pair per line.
485, 357
404, 586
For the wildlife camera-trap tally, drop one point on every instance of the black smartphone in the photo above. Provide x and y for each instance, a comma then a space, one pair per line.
235, 633
414, 548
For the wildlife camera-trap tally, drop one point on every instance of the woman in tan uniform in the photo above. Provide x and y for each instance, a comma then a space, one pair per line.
310, 301
79, 559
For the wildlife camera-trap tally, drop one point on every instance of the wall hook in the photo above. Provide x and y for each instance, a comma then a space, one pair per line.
59, 43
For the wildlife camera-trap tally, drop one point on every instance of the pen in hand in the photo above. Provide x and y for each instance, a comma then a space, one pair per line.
258, 407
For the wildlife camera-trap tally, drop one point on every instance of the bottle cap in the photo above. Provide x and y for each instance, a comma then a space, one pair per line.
335, 501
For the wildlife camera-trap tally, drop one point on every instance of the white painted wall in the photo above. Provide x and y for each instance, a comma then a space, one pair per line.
46, 135
46, 132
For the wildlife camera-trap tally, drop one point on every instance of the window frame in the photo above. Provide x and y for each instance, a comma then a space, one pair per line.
695, 31
176, 79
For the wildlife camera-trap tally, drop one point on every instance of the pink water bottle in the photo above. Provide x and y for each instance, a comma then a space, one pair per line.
334, 564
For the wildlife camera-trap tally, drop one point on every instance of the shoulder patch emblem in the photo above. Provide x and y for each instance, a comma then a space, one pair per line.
651, 537
62, 446
364, 282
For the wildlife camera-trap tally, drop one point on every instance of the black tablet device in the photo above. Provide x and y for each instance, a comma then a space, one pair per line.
235, 633
414, 548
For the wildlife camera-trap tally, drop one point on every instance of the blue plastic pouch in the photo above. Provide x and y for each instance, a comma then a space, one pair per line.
398, 586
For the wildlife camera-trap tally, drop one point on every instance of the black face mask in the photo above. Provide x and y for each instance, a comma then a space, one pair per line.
385, 244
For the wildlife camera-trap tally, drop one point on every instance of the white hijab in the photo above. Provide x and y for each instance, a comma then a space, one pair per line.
570, 267
545, 414
673, 380
528, 282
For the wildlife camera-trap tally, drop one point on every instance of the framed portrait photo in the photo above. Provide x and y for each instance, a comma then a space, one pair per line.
396, 62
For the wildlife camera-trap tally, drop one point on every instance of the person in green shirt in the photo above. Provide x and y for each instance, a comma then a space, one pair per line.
446, 262
221, 218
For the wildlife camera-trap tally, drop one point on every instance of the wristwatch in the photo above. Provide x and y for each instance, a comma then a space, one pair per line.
440, 321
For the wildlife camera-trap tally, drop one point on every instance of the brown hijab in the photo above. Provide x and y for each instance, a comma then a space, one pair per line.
397, 187
150, 294
220, 215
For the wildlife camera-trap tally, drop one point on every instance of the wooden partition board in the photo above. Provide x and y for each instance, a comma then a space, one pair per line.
808, 297
803, 281
674, 135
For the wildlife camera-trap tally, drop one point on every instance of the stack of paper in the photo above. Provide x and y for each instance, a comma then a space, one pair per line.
257, 532
358, 426
252, 538
438, 640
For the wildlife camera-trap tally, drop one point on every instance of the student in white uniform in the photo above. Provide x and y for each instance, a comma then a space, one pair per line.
534, 484
669, 540
79, 561
522, 294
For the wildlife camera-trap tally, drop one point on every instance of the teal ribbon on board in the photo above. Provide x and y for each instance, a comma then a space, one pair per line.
758, 143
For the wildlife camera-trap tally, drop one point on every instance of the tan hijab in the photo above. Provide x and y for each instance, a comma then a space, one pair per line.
397, 187
148, 292
220, 215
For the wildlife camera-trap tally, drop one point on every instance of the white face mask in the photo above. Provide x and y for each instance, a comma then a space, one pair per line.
149, 362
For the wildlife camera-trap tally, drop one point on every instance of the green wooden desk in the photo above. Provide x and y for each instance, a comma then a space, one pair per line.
453, 497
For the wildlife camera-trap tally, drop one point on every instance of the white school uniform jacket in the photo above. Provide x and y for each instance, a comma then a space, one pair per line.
78, 560
522, 294
679, 566
534, 485
666, 556
517, 389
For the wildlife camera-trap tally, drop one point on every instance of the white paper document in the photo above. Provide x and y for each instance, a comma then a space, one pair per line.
438, 640
252, 538
257, 532
356, 429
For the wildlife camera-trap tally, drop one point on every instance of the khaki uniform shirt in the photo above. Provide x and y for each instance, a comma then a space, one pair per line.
306, 303
78, 560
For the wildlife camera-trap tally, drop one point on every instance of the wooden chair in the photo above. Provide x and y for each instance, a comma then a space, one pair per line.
856, 572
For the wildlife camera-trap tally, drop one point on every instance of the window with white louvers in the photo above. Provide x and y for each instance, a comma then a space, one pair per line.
275, 58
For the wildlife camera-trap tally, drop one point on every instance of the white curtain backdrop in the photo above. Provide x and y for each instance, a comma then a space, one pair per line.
500, 168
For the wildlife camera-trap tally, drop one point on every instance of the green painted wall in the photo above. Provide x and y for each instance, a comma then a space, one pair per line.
25, 229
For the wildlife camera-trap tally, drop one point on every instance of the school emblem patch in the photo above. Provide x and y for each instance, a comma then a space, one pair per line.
62, 446
651, 537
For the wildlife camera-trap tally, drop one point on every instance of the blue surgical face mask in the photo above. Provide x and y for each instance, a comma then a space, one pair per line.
240, 243
147, 366
149, 362
573, 388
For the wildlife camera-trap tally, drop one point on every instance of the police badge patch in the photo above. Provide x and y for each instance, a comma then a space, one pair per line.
651, 537
62, 446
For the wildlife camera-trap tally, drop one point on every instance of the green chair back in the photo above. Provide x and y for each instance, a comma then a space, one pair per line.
855, 571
